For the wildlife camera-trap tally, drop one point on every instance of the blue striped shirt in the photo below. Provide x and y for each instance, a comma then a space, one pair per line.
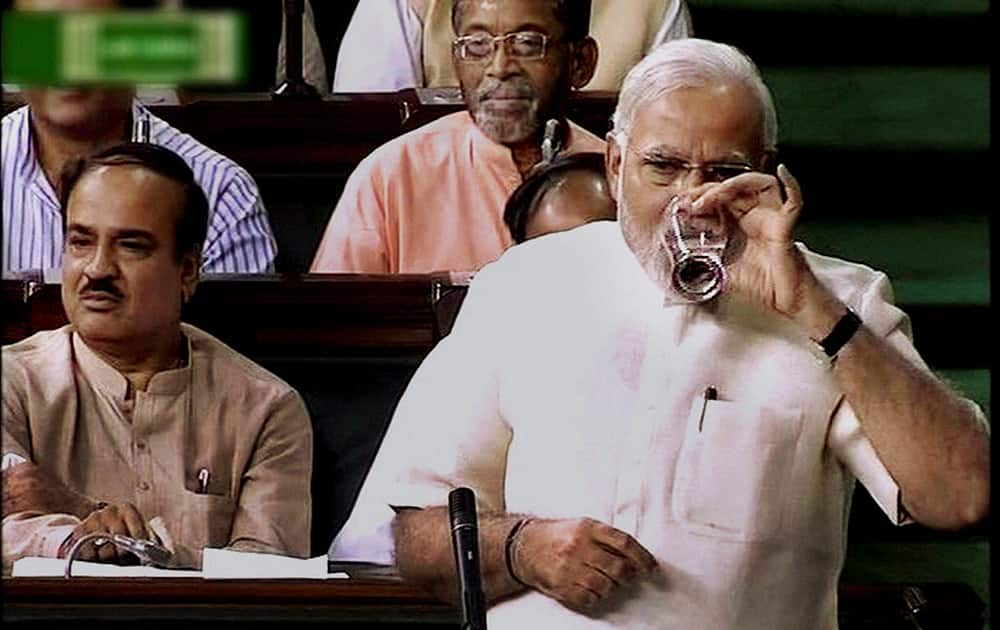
239, 238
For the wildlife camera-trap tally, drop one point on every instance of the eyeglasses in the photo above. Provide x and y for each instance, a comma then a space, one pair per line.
525, 45
667, 170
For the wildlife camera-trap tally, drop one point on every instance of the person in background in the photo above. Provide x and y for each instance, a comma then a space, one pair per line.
128, 421
61, 124
560, 195
641, 459
432, 199
313, 60
414, 42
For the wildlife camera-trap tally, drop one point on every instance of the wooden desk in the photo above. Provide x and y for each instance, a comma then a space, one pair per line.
192, 604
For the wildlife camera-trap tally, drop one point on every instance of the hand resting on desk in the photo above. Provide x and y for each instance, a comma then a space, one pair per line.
121, 518
28, 488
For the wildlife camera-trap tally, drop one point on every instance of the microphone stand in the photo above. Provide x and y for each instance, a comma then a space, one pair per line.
294, 87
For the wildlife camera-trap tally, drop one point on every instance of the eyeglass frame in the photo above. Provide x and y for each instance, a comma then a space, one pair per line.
459, 41
705, 168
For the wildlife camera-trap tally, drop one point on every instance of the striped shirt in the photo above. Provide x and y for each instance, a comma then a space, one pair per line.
239, 238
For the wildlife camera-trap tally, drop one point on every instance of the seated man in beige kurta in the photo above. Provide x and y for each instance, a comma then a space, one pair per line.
127, 421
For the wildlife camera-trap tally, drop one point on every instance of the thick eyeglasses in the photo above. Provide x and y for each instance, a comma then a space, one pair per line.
524, 45
666, 170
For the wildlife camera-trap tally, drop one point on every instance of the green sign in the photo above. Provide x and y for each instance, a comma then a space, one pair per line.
124, 47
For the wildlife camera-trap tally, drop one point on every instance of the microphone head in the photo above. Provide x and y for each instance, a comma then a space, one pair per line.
148, 552
551, 127
462, 507
550, 143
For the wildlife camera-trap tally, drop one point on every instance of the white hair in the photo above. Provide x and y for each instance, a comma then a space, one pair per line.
691, 63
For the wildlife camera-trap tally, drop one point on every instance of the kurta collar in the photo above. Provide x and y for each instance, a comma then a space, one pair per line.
112, 382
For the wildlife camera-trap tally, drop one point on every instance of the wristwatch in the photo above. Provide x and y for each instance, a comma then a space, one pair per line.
842, 332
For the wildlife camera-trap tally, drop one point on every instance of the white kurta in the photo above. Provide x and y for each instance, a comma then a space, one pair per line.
567, 389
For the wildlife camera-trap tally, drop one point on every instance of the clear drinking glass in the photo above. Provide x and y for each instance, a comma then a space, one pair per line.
696, 243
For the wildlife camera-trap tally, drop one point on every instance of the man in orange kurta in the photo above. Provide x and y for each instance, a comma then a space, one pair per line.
433, 199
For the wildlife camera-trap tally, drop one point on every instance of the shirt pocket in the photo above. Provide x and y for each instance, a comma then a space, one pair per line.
733, 478
207, 517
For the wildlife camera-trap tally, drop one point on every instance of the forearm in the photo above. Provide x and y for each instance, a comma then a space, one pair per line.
931, 441
25, 535
424, 552
26, 488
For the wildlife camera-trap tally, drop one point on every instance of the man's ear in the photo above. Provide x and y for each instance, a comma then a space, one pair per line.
584, 63
190, 265
613, 162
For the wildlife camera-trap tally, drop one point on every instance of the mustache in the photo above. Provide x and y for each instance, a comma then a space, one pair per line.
102, 285
518, 87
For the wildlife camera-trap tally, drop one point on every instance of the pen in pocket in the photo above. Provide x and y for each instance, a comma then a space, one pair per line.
203, 477
710, 394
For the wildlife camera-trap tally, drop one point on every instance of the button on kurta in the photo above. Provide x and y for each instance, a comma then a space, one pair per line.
143, 486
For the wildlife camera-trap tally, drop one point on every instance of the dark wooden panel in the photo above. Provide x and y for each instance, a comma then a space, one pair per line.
849, 183
204, 604
165, 602
274, 317
328, 136
841, 37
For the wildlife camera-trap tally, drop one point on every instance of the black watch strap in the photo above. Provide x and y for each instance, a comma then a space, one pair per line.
841, 333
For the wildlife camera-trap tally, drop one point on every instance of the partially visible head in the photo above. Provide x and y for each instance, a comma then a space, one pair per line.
692, 111
561, 195
135, 220
78, 112
509, 96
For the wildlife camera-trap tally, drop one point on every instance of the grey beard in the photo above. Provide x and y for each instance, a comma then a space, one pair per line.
504, 129
648, 250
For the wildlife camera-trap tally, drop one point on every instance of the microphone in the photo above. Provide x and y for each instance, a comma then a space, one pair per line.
550, 141
465, 542
148, 552
140, 130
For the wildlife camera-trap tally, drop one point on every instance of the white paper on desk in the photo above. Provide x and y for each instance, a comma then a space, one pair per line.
48, 567
227, 564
